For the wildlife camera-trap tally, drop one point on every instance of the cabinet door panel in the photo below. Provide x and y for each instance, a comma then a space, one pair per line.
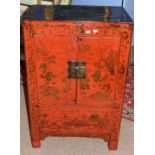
54, 87
101, 57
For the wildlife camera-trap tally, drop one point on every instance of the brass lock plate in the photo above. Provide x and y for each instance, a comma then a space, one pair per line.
76, 69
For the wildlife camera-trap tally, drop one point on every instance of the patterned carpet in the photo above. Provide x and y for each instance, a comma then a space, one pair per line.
128, 105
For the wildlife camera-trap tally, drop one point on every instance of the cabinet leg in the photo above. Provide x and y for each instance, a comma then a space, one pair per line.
36, 144
112, 145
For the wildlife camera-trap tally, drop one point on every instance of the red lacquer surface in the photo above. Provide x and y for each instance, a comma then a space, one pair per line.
52, 54
101, 57
90, 107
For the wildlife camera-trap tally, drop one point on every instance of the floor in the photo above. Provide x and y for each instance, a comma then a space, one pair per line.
74, 146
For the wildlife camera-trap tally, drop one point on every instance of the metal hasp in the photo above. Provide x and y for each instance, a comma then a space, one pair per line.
76, 69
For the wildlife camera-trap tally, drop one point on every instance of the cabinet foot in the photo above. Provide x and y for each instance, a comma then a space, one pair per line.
36, 144
112, 145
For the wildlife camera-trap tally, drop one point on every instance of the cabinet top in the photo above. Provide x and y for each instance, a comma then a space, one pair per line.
76, 13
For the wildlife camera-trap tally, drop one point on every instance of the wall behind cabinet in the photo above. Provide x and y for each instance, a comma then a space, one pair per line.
129, 7
98, 2
29, 2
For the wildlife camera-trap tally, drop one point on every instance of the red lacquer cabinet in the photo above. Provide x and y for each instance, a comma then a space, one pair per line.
76, 62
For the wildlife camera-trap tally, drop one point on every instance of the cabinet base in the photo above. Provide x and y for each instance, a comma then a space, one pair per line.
112, 145
36, 144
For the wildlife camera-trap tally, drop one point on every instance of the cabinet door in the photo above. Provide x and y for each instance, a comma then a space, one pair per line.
101, 57
53, 54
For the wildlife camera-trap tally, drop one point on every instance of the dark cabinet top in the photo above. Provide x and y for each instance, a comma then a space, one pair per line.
76, 13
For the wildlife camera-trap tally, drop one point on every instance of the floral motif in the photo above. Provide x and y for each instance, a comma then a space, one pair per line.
97, 76
43, 66
99, 96
46, 90
84, 84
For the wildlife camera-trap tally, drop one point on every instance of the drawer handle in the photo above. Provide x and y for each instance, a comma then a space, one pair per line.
95, 31
87, 31
91, 31
76, 69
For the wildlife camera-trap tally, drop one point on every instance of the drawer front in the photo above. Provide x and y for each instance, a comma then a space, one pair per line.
54, 28
76, 120
100, 29
68, 28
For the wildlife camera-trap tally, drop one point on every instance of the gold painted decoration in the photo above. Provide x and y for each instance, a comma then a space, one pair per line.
99, 96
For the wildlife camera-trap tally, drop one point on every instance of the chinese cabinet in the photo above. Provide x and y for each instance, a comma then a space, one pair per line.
76, 63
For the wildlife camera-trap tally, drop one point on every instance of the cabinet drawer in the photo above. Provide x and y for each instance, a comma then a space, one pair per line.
56, 28
99, 29
76, 120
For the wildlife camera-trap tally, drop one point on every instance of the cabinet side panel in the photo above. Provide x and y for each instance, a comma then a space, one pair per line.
126, 35
33, 105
